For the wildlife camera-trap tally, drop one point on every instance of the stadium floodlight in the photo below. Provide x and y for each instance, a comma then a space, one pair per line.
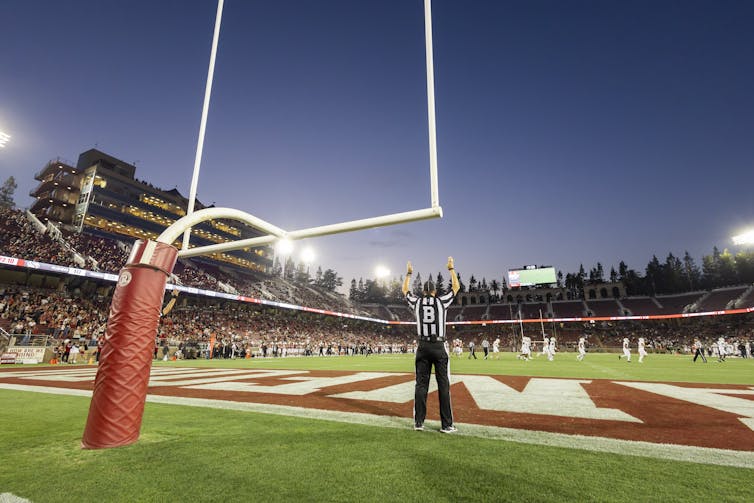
747, 238
4, 139
284, 246
308, 255
381, 272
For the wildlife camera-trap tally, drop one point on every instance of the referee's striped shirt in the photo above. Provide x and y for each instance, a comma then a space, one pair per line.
430, 313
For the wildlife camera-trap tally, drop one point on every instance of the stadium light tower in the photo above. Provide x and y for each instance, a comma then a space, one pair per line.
4, 139
746, 239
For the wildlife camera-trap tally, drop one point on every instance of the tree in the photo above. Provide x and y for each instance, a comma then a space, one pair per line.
728, 274
745, 266
395, 292
417, 287
318, 277
672, 273
302, 275
472, 284
290, 269
560, 279
353, 293
6, 193
440, 284
330, 280
483, 285
613, 275
654, 276
495, 287
360, 290
691, 273
711, 269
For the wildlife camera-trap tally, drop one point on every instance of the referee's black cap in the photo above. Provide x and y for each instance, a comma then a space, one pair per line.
429, 287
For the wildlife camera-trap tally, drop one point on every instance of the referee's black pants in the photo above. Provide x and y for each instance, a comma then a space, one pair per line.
428, 354
700, 352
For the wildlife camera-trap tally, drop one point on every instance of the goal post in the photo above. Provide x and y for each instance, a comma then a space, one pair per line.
120, 387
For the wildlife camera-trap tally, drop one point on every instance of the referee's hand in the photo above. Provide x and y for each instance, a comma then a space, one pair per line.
450, 264
409, 268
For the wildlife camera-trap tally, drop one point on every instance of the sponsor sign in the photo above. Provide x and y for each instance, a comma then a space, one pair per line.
8, 358
24, 353
8, 260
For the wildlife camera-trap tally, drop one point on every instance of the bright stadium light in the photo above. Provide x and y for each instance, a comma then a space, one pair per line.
381, 272
284, 246
4, 138
747, 238
308, 255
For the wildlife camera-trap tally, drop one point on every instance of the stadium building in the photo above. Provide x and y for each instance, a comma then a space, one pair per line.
102, 196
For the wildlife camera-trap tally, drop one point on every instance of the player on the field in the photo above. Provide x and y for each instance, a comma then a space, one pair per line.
626, 350
551, 351
642, 351
545, 348
721, 352
582, 349
525, 348
496, 348
699, 350
431, 313
458, 347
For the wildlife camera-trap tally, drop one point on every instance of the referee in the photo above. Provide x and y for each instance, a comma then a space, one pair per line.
430, 312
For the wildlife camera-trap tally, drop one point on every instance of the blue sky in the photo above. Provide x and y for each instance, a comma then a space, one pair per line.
568, 132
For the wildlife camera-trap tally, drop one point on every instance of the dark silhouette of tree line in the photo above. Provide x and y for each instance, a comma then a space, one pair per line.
673, 275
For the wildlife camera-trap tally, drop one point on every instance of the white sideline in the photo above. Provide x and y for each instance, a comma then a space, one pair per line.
687, 453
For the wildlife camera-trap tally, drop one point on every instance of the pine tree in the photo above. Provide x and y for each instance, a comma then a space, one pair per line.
6, 193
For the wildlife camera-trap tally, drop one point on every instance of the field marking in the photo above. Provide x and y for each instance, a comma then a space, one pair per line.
704, 396
673, 452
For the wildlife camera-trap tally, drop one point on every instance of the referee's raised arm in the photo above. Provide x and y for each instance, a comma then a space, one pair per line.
407, 280
454, 284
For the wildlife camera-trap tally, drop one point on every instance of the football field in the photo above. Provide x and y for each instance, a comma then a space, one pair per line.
339, 429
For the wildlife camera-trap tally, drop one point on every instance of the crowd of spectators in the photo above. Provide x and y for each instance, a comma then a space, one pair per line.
18, 237
108, 254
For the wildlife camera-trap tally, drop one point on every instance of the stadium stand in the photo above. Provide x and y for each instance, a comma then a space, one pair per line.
503, 312
471, 313
568, 309
747, 299
531, 311
677, 303
641, 306
719, 299
604, 307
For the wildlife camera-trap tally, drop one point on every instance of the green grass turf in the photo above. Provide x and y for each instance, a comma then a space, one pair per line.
674, 368
198, 454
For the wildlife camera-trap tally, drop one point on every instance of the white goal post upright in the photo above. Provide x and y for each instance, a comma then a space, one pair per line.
120, 387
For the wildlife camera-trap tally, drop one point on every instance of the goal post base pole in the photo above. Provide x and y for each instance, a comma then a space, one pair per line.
120, 388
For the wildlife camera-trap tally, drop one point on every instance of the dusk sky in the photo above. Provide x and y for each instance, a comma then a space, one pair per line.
569, 132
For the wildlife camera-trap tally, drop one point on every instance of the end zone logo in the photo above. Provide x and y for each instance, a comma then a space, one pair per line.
710, 416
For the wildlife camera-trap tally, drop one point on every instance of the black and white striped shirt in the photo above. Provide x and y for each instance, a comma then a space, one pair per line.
430, 313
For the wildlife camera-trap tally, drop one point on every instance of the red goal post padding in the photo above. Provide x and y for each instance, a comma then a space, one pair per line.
120, 388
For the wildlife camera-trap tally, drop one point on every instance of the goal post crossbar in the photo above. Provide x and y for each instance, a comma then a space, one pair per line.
274, 233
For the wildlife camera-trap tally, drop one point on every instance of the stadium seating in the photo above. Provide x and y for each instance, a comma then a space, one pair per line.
568, 309
472, 313
503, 312
677, 303
641, 306
602, 308
719, 299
